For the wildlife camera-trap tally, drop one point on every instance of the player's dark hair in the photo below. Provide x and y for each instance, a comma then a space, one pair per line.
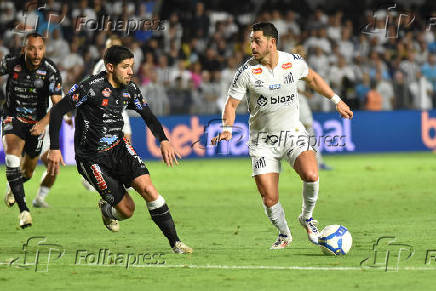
33, 34
116, 54
268, 29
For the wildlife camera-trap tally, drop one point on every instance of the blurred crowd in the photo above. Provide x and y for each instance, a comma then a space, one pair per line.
186, 52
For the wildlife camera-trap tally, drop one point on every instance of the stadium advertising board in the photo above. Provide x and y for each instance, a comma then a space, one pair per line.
368, 132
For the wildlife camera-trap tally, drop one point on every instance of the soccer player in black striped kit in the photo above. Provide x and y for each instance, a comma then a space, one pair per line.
106, 159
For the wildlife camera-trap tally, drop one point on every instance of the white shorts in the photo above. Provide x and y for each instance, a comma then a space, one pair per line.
126, 128
45, 141
266, 158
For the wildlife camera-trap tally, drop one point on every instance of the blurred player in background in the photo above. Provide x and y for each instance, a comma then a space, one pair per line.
104, 157
99, 67
47, 181
32, 80
270, 79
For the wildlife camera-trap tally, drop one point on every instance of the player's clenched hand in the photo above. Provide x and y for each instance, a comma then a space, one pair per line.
54, 161
344, 110
37, 129
169, 154
225, 135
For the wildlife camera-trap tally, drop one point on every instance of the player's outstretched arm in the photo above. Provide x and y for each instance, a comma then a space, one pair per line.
229, 116
169, 154
56, 114
319, 85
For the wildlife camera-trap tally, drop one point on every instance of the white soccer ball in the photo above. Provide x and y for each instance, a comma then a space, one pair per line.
335, 240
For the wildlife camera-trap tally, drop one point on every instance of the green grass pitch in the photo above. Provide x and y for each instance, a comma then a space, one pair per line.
218, 212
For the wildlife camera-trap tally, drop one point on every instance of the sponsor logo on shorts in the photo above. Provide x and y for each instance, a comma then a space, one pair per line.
257, 71
101, 183
260, 163
106, 92
287, 66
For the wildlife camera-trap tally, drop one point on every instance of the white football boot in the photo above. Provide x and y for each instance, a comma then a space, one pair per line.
311, 227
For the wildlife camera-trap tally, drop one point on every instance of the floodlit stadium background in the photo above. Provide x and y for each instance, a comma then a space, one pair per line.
379, 56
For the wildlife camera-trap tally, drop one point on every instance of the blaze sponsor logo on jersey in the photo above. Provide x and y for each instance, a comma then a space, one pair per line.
289, 78
274, 86
262, 101
104, 102
41, 72
101, 183
106, 92
287, 66
258, 84
283, 99
256, 71
73, 88
17, 68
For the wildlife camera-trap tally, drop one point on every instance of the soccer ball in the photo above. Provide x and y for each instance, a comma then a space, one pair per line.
335, 240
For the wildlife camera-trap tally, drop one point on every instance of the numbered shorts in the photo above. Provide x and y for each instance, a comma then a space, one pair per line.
33, 145
113, 171
267, 158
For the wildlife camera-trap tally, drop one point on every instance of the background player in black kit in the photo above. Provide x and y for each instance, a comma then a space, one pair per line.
104, 157
32, 79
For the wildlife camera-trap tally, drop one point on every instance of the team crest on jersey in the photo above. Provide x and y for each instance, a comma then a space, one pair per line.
72, 89
289, 78
106, 92
258, 84
262, 101
257, 71
41, 72
17, 68
287, 66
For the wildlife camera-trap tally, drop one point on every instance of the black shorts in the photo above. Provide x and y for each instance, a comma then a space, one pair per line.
33, 145
112, 171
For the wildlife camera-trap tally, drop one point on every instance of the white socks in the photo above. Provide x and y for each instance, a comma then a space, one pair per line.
310, 196
159, 202
42, 193
277, 216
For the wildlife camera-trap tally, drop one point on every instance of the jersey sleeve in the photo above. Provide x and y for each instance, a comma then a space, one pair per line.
239, 86
55, 83
303, 68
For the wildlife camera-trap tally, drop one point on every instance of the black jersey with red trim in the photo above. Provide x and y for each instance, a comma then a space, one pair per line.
28, 92
99, 122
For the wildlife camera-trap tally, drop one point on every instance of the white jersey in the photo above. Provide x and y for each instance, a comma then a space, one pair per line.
272, 96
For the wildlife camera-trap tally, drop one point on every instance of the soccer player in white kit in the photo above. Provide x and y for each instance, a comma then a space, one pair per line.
269, 79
